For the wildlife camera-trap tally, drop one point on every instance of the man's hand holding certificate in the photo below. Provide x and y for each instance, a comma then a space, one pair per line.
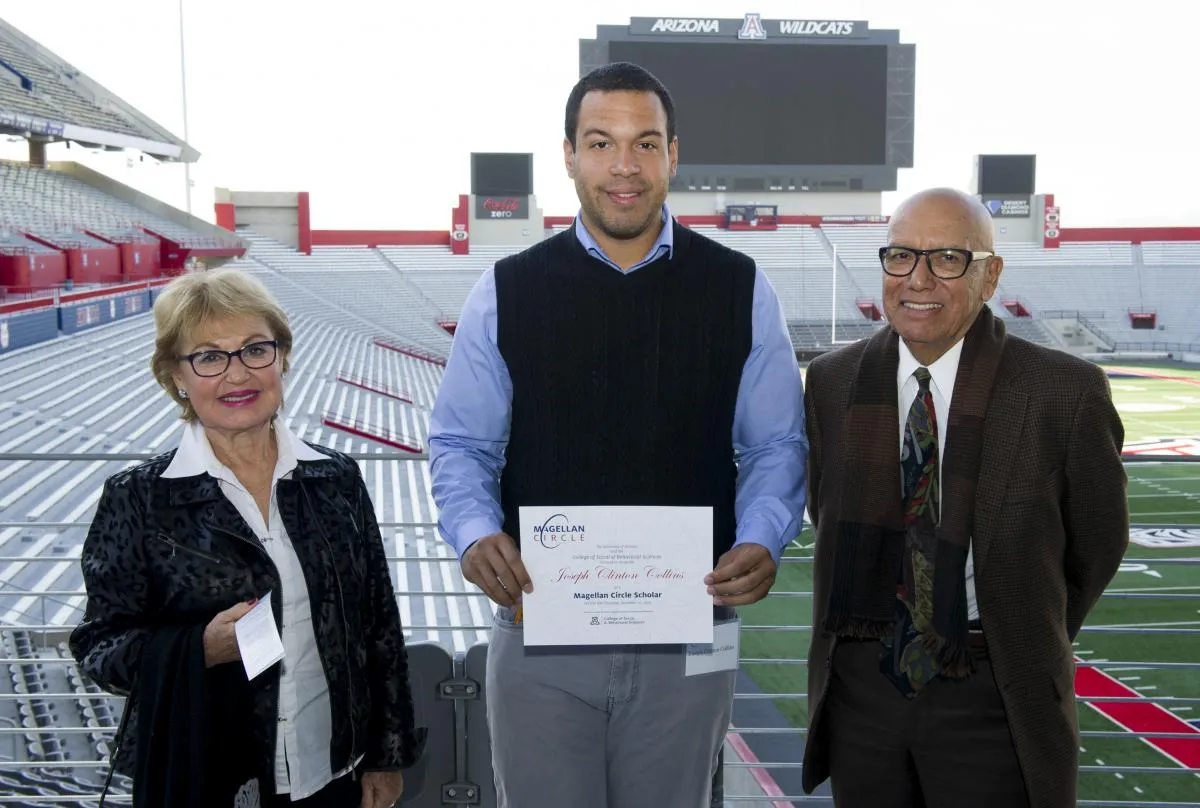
617, 575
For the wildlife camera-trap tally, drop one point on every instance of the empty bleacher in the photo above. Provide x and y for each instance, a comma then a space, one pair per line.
1108, 289
41, 199
798, 261
815, 334
444, 279
54, 94
857, 244
64, 720
1027, 329
1104, 279
1172, 253
800, 268
1067, 254
858, 247
14, 243
338, 277
94, 392
1107, 294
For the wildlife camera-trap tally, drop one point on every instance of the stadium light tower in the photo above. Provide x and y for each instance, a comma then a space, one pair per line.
187, 167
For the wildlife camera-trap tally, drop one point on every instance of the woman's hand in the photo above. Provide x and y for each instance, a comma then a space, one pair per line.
381, 789
220, 640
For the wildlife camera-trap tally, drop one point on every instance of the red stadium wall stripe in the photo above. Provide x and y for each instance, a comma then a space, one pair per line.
372, 387
1134, 235
226, 217
379, 238
304, 233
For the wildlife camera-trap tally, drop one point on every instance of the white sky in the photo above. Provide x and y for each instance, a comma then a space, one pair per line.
374, 106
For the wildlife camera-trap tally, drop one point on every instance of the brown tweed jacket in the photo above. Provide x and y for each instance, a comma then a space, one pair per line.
1051, 525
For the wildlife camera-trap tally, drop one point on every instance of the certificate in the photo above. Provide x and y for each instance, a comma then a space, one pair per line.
617, 575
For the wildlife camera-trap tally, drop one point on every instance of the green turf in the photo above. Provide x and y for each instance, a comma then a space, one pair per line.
1159, 493
1157, 408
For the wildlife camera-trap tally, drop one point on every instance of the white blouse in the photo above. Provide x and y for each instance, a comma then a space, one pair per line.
302, 765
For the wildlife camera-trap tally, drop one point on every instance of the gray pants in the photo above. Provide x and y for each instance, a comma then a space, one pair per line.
602, 726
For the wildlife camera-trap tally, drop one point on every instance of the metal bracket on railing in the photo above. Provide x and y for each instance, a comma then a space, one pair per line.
460, 689
460, 794
456, 688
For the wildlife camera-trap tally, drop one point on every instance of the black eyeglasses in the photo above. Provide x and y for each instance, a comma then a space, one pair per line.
214, 362
946, 263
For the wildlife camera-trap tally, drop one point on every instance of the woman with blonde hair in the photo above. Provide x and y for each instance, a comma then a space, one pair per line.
244, 515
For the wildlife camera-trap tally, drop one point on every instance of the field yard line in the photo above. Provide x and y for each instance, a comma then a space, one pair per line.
1152, 625
1154, 589
1139, 716
1133, 478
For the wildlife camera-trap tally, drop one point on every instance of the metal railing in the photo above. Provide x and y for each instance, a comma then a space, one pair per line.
455, 708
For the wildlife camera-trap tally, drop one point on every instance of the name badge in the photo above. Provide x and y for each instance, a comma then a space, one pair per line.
718, 656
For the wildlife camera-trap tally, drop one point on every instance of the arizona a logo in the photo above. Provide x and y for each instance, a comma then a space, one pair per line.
752, 28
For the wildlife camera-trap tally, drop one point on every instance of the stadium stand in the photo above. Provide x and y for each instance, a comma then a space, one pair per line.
428, 285
857, 244
363, 320
1107, 289
796, 260
858, 247
1027, 329
17, 242
338, 277
442, 278
92, 392
1068, 254
445, 289
1171, 253
50, 94
47, 201
37, 83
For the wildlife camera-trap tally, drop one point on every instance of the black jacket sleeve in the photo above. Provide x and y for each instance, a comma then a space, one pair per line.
108, 643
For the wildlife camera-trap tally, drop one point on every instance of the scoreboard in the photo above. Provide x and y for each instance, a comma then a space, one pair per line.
778, 105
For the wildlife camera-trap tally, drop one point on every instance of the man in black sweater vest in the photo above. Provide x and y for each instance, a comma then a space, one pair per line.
626, 361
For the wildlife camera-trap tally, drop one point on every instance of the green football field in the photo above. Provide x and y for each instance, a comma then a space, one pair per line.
1154, 598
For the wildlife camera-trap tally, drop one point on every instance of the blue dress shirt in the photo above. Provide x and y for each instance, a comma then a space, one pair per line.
469, 427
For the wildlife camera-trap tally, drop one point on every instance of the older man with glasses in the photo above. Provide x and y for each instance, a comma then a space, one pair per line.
969, 500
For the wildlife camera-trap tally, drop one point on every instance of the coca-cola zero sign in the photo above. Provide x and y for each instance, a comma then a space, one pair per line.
501, 207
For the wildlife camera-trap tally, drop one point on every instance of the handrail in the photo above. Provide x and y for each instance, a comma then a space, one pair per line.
470, 611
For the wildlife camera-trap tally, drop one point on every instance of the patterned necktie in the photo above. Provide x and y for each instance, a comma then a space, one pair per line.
909, 664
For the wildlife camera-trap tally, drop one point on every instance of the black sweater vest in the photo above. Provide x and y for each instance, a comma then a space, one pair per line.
624, 384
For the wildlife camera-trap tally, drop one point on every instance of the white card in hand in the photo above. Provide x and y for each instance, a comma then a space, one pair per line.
721, 655
258, 638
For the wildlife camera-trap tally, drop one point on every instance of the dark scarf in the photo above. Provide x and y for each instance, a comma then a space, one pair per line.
870, 527
191, 748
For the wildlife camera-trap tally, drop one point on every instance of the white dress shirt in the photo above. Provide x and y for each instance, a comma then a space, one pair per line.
302, 764
941, 384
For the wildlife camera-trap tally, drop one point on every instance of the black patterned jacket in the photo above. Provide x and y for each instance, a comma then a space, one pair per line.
165, 551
